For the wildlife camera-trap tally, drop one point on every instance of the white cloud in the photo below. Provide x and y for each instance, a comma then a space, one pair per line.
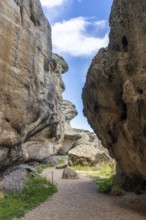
52, 3
72, 37
100, 24
55, 8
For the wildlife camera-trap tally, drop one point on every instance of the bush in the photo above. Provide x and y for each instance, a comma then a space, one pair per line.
36, 191
104, 185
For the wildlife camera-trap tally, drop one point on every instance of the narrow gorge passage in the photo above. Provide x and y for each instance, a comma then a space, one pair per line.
79, 200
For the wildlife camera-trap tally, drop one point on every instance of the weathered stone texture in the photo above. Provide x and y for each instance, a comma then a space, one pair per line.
31, 84
114, 95
70, 134
87, 150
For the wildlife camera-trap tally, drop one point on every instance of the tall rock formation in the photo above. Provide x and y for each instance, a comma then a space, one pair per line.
70, 134
30, 84
114, 95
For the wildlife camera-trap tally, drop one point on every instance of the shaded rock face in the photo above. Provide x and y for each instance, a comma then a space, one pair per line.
31, 84
114, 94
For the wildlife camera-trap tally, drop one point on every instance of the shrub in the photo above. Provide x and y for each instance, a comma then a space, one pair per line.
104, 185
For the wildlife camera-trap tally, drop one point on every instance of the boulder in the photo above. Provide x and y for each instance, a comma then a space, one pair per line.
114, 93
87, 150
15, 181
68, 173
87, 155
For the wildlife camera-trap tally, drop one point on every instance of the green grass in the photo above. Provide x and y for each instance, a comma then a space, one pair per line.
106, 169
102, 174
108, 185
16, 204
101, 170
60, 161
83, 168
104, 185
41, 167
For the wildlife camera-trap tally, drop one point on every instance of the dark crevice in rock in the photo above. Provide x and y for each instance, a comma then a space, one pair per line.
21, 14
125, 43
93, 85
33, 18
19, 4
144, 131
140, 105
96, 107
140, 91
40, 128
7, 120
14, 156
124, 113
110, 77
113, 136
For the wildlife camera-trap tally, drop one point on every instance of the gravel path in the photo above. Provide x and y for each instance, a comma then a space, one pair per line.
79, 200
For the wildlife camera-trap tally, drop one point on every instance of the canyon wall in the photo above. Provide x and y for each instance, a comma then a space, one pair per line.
34, 118
31, 118
114, 94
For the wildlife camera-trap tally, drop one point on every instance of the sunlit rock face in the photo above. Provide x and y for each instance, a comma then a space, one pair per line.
70, 134
30, 84
88, 151
114, 94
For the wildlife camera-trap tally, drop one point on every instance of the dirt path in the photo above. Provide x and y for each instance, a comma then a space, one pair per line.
79, 200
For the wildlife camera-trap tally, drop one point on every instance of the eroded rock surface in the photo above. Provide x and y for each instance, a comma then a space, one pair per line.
87, 150
70, 134
31, 84
114, 95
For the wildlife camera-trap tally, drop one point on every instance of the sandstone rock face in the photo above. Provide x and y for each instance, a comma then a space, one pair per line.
49, 140
114, 95
31, 85
87, 150
70, 134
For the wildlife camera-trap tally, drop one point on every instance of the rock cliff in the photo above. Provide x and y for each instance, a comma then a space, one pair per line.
114, 95
31, 118
34, 118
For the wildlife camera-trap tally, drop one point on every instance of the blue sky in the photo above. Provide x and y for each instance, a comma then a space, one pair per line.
79, 29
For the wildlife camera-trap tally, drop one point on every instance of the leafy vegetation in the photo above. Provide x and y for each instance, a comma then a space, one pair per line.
108, 185
104, 185
36, 191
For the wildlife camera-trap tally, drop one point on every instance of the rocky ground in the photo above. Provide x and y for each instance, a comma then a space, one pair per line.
79, 200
